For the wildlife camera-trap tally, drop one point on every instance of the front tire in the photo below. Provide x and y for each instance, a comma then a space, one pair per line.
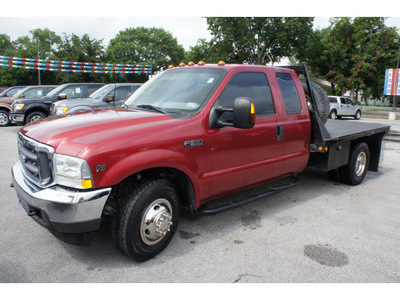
4, 118
357, 116
332, 115
35, 116
147, 219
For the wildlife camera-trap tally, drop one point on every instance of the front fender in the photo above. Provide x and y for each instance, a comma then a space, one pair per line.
145, 160
35, 107
78, 109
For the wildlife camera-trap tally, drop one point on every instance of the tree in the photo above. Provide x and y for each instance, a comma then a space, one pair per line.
142, 45
352, 54
258, 40
85, 49
203, 51
26, 46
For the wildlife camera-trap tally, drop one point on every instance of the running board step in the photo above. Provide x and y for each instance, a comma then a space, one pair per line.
236, 203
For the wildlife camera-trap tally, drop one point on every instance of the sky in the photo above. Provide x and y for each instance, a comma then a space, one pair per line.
104, 19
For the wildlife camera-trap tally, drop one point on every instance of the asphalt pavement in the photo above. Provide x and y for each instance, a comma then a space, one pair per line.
318, 231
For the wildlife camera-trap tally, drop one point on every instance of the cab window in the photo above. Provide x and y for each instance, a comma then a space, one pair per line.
290, 96
251, 85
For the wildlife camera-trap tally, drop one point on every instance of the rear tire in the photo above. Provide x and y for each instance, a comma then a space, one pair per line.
146, 219
321, 99
336, 175
354, 172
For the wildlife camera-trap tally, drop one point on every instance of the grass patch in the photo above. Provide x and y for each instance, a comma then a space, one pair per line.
378, 108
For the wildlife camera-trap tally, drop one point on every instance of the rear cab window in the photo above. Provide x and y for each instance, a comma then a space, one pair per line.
290, 96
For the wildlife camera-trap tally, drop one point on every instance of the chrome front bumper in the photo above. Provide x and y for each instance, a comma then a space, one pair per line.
17, 118
60, 209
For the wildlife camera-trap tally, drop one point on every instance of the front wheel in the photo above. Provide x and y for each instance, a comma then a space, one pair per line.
332, 115
35, 116
357, 116
147, 219
355, 171
4, 118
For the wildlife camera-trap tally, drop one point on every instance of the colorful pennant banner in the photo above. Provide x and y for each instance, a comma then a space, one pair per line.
71, 66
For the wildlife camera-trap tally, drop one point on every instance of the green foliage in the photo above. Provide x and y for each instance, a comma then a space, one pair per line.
353, 54
74, 48
203, 51
142, 45
258, 40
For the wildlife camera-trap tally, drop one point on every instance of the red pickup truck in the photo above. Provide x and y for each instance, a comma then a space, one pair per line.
190, 135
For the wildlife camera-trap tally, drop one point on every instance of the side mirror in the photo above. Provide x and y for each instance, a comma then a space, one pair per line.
244, 115
62, 97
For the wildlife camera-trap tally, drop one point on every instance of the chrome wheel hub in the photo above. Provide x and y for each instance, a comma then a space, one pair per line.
3, 118
361, 163
36, 118
156, 222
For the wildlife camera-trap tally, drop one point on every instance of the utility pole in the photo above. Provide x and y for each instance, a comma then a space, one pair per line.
38, 62
396, 82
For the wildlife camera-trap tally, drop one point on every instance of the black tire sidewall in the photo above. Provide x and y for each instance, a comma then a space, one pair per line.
357, 116
321, 99
29, 117
8, 120
350, 175
128, 231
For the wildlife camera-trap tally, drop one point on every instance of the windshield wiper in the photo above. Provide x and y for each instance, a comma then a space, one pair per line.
149, 106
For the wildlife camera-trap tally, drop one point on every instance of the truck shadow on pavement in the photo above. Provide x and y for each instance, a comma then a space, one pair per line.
196, 231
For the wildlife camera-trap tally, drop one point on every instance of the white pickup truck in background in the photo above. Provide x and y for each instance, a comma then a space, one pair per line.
343, 107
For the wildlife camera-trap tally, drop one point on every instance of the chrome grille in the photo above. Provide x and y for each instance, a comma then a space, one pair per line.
36, 159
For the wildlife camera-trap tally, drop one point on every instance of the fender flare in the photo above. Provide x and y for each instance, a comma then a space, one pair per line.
151, 159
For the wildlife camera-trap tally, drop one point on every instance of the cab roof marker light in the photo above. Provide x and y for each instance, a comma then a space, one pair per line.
201, 63
171, 67
182, 65
190, 64
221, 63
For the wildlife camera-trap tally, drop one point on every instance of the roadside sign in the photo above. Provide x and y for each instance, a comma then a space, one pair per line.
392, 83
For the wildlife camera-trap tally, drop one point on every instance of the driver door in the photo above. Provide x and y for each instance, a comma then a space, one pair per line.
239, 158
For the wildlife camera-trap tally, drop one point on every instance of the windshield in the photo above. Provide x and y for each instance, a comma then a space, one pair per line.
10, 92
177, 90
102, 91
55, 91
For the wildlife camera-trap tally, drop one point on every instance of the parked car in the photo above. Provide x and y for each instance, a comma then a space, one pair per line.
30, 110
12, 91
343, 107
109, 95
35, 91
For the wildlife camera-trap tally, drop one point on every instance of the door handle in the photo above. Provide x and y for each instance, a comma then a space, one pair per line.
279, 133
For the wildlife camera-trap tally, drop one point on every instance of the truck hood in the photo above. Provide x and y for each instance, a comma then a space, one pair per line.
29, 100
74, 102
70, 134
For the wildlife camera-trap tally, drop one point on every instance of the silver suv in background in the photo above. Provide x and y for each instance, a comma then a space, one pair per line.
109, 95
343, 107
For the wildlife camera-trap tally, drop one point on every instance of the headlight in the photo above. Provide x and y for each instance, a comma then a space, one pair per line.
72, 171
61, 110
18, 106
